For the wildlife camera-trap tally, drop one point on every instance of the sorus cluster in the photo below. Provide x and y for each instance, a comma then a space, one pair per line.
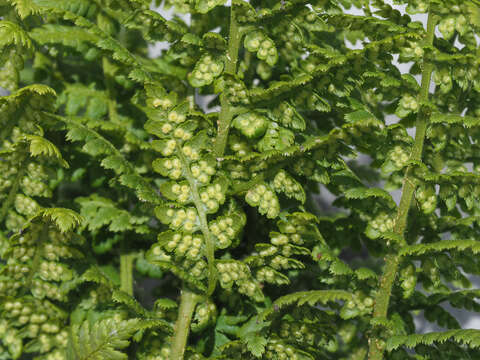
223, 230
182, 192
414, 51
450, 24
7, 172
269, 275
34, 318
277, 254
231, 272
408, 280
54, 271
190, 261
190, 152
174, 117
426, 198
360, 304
236, 92
257, 41
171, 167
262, 196
399, 157
251, 124
304, 167
237, 170
406, 105
443, 79
164, 103
202, 171
183, 218
206, 70
382, 223
26, 205
33, 187
280, 250
42, 289
212, 196
185, 245
298, 331
287, 184
239, 146
205, 314
278, 350
264, 70
288, 116
22, 250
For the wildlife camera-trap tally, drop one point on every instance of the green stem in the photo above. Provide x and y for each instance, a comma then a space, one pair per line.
202, 215
188, 299
126, 273
392, 261
110, 85
226, 113
182, 326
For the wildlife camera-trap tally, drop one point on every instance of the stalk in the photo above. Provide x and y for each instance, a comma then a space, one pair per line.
182, 326
202, 215
226, 112
126, 273
189, 299
392, 261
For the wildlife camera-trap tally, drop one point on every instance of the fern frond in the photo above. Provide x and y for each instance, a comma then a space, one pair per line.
13, 34
64, 219
279, 88
105, 42
102, 340
35, 90
61, 34
96, 144
96, 275
148, 319
467, 121
41, 146
86, 8
307, 297
24, 7
364, 193
439, 246
99, 211
469, 337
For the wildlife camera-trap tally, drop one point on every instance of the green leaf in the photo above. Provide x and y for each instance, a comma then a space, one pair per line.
307, 297
440, 246
11, 33
41, 146
75, 37
204, 6
365, 193
99, 211
65, 219
467, 121
250, 334
363, 117
468, 337
24, 7
102, 340
96, 275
